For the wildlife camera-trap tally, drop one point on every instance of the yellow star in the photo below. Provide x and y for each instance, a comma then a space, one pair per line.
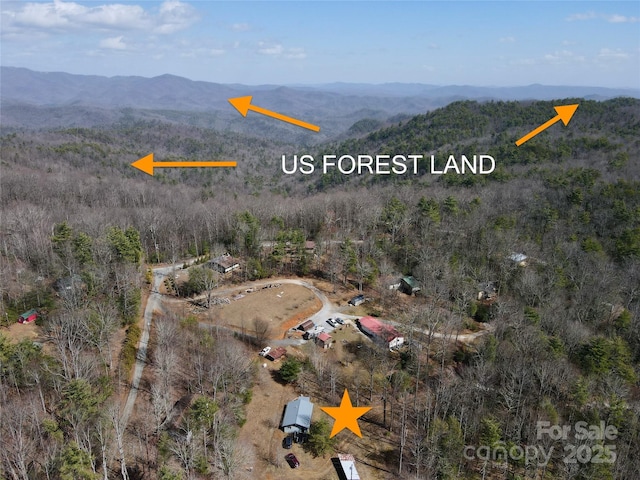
346, 415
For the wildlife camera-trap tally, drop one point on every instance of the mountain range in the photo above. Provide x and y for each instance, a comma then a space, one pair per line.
33, 99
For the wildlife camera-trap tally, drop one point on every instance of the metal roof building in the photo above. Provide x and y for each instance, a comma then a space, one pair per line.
297, 415
348, 466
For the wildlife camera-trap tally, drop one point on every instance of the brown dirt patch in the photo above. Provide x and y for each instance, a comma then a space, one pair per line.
21, 331
283, 308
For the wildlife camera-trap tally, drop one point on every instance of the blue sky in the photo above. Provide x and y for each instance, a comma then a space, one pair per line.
471, 43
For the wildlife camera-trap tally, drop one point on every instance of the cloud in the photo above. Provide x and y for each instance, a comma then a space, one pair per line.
611, 18
603, 57
582, 16
608, 54
60, 17
563, 57
295, 54
113, 43
240, 27
277, 50
507, 40
175, 16
266, 49
621, 19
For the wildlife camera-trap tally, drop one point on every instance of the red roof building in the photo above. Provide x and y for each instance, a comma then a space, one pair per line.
276, 354
323, 340
28, 317
381, 332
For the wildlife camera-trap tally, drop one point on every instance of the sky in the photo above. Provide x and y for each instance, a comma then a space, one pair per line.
481, 43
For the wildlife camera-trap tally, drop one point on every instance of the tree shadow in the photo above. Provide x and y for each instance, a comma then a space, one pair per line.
275, 375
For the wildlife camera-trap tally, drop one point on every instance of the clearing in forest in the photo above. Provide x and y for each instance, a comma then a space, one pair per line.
281, 307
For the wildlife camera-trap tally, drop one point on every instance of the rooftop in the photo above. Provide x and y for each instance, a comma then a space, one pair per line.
225, 261
380, 329
324, 337
276, 353
348, 464
298, 412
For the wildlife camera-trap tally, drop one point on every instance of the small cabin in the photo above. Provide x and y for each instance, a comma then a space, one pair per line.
323, 340
409, 285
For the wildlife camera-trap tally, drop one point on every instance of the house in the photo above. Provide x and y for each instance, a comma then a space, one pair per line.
306, 325
488, 292
276, 354
323, 340
224, 263
409, 285
357, 300
297, 416
381, 332
346, 467
28, 317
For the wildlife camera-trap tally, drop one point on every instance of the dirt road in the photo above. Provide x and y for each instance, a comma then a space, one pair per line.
154, 303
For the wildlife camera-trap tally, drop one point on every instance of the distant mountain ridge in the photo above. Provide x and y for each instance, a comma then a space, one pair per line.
33, 99
179, 93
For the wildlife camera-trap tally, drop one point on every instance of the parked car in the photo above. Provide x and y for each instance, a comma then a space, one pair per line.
292, 460
264, 351
331, 322
287, 442
339, 320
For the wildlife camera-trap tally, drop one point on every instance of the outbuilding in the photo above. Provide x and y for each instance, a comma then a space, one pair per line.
346, 467
28, 317
357, 300
323, 340
276, 354
409, 285
297, 416
306, 325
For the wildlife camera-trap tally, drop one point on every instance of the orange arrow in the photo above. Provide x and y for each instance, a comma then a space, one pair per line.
564, 113
243, 105
146, 164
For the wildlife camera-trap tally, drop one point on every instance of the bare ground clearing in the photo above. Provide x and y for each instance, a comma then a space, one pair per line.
283, 308
17, 332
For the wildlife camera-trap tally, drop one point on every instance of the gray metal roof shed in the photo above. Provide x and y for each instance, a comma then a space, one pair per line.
297, 415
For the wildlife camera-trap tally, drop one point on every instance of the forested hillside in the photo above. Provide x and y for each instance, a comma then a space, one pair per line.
565, 340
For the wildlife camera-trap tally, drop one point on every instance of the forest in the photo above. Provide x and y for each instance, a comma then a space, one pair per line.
565, 340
